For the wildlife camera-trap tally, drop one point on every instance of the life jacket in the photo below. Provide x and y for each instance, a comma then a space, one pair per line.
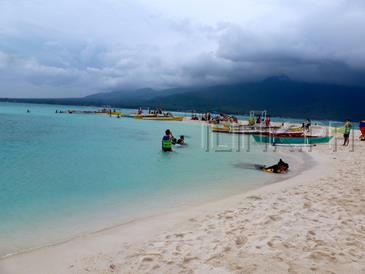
166, 143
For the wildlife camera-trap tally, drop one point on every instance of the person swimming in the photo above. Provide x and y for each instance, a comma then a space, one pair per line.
181, 140
280, 167
167, 141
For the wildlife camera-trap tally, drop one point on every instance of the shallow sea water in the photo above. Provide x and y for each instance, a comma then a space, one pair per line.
62, 175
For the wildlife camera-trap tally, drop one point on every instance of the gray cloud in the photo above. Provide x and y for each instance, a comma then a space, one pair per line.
74, 48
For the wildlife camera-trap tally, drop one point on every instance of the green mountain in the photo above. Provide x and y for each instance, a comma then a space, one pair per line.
279, 95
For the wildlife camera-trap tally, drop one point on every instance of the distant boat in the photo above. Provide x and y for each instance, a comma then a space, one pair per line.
156, 117
161, 118
291, 139
242, 129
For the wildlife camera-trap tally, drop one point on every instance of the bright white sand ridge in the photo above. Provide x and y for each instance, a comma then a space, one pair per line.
312, 223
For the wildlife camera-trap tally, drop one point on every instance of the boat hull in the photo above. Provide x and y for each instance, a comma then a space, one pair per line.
155, 117
247, 130
309, 140
163, 118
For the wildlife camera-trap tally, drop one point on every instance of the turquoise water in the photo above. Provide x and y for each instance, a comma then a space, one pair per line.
66, 174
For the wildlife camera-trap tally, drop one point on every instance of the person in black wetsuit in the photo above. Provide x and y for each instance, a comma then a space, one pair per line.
280, 167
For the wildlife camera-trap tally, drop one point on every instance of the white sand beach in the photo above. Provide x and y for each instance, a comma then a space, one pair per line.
310, 223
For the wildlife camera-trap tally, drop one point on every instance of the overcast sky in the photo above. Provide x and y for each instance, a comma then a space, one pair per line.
74, 48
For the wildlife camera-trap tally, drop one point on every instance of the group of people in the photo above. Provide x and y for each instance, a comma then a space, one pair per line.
208, 117
259, 121
157, 111
168, 140
281, 167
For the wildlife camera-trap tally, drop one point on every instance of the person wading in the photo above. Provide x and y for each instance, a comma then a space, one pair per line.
167, 141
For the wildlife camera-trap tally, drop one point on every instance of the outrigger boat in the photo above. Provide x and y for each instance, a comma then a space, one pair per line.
103, 112
250, 128
159, 118
292, 138
112, 113
241, 129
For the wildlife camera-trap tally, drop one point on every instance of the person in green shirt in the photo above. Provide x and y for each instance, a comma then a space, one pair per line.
346, 135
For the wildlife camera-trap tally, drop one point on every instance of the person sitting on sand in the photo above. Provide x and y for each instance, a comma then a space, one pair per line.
167, 141
280, 167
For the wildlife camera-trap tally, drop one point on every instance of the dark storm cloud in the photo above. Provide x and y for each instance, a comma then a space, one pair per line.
113, 44
325, 46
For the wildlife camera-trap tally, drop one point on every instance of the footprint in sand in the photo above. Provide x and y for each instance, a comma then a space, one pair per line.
321, 255
254, 198
272, 218
307, 205
240, 241
179, 235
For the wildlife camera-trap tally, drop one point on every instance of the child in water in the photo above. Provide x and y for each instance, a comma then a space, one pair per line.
181, 140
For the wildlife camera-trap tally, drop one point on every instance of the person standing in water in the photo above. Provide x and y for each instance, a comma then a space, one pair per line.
346, 135
167, 141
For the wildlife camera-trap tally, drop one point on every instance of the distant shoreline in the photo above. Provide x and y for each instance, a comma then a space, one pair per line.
187, 112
